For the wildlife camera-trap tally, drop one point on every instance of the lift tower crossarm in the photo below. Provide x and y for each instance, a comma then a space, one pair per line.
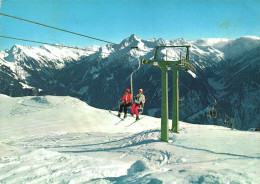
184, 62
181, 64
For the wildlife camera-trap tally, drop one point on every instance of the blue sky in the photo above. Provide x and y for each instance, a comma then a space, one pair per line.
114, 20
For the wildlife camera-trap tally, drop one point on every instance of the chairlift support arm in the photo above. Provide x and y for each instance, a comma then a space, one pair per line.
131, 79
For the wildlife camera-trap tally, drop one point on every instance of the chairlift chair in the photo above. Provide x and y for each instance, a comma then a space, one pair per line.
226, 121
220, 119
181, 100
213, 112
210, 113
142, 107
141, 110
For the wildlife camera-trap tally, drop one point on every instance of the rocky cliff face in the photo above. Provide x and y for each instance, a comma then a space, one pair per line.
227, 76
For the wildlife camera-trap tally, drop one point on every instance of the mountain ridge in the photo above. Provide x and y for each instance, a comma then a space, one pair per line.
89, 74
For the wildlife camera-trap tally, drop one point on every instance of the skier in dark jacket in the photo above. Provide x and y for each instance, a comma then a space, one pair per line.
211, 113
126, 102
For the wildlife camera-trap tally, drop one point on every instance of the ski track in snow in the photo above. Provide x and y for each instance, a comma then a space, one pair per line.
63, 140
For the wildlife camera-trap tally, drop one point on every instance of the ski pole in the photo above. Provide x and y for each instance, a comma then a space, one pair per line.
117, 105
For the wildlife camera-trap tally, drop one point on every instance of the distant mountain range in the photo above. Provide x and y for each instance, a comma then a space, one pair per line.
227, 76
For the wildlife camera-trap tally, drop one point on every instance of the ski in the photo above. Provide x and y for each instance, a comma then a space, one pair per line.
116, 115
139, 119
119, 121
135, 121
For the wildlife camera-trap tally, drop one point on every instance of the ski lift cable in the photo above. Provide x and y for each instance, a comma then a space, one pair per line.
52, 44
184, 85
20, 39
91, 51
215, 101
211, 94
52, 27
73, 48
209, 91
59, 29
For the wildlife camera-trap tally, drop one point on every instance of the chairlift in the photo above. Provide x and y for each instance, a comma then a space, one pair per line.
220, 119
212, 112
131, 78
233, 123
141, 109
181, 100
226, 121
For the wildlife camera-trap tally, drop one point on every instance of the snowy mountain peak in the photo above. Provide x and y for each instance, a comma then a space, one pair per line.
131, 41
16, 49
134, 37
161, 41
13, 54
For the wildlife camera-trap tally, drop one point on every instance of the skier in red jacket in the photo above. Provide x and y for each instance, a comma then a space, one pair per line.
126, 102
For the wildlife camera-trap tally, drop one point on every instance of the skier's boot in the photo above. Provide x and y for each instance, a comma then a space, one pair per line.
125, 116
137, 118
132, 114
119, 114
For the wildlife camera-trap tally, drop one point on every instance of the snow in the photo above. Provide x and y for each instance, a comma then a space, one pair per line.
197, 50
219, 55
106, 51
95, 76
57, 54
26, 86
63, 140
202, 112
18, 70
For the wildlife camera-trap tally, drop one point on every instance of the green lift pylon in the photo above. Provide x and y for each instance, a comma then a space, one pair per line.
175, 66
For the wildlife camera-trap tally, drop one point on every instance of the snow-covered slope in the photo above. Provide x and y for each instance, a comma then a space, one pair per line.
63, 140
